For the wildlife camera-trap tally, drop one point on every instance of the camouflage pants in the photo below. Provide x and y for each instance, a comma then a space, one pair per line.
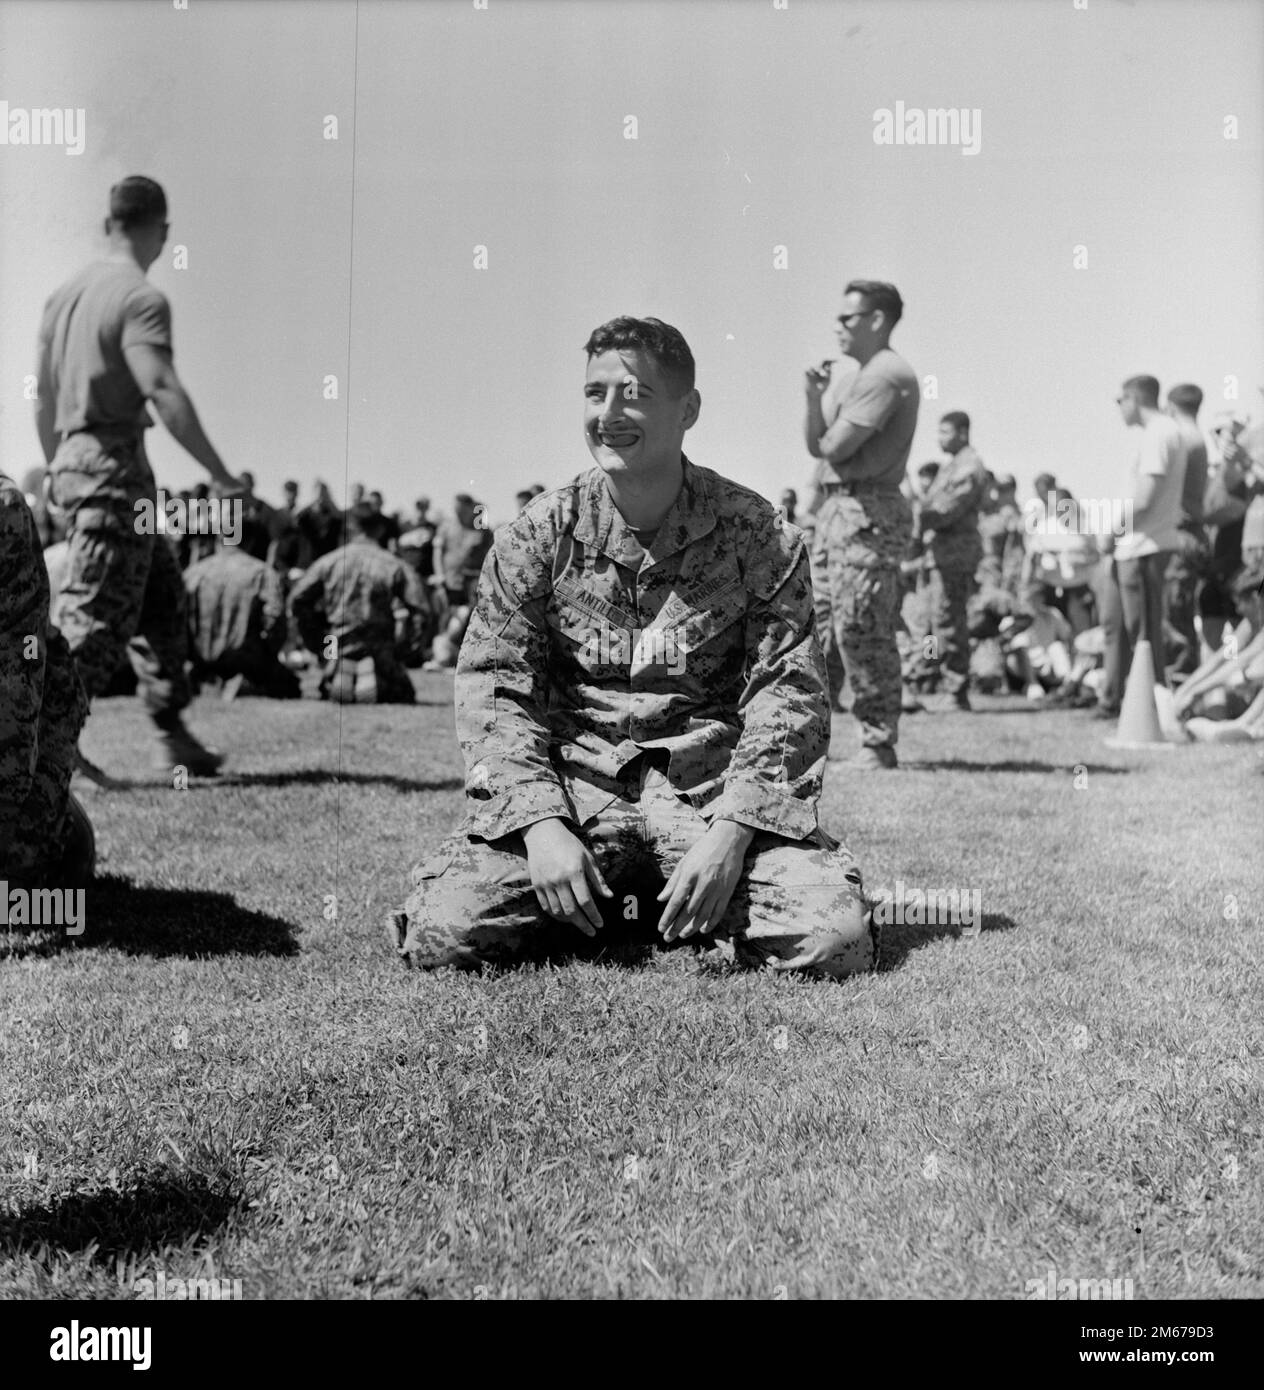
860, 542
36, 845
941, 640
123, 597
473, 904
834, 668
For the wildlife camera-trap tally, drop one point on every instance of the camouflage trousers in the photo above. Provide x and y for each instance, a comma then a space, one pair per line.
859, 543
41, 822
472, 903
123, 597
835, 671
940, 640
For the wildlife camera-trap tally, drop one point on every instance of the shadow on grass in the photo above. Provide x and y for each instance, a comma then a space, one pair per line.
187, 922
898, 942
160, 1211
1010, 765
319, 777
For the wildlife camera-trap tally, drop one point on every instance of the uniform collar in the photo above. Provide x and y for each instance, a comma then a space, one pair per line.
602, 526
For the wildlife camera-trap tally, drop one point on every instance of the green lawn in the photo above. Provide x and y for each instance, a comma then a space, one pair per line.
217, 1080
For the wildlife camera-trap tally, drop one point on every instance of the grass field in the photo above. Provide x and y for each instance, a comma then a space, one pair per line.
218, 1080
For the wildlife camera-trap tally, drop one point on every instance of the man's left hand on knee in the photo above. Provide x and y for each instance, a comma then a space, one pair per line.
698, 892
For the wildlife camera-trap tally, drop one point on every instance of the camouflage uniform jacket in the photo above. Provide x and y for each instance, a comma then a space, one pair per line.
950, 510
235, 606
584, 650
350, 593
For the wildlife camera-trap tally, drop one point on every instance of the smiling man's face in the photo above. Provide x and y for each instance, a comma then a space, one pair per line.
633, 422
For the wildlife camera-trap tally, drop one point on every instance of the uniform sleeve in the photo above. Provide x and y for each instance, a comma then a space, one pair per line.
147, 319
873, 399
272, 611
23, 656
502, 689
773, 780
409, 590
307, 605
955, 493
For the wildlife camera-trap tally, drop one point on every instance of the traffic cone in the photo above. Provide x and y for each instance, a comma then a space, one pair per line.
1139, 716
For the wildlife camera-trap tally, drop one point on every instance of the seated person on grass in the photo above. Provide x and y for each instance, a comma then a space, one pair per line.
1038, 650
1223, 701
237, 626
642, 704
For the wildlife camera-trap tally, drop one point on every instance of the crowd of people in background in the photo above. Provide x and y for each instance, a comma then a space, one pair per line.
359, 591
1048, 597
999, 594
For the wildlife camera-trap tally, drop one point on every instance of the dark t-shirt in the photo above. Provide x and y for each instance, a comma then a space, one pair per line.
88, 322
416, 546
321, 526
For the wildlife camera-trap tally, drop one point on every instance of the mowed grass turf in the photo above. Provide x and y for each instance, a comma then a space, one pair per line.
223, 1078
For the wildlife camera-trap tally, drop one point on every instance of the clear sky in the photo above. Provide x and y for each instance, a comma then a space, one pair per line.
1102, 127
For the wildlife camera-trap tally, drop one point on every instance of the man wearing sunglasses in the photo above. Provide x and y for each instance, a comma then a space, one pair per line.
863, 440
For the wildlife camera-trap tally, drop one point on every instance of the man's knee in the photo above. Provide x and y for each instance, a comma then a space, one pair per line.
806, 897
471, 904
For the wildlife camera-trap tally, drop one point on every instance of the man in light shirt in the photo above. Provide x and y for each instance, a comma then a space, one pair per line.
1155, 481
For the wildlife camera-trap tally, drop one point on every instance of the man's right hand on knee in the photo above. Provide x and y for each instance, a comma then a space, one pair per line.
561, 870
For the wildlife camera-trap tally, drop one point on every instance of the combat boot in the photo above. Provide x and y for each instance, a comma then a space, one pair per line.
909, 701
84, 767
79, 845
873, 758
948, 701
177, 747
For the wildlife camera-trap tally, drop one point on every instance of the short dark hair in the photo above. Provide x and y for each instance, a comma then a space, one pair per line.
362, 520
1145, 387
658, 340
525, 495
958, 419
880, 295
254, 535
137, 202
289, 485
1186, 397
